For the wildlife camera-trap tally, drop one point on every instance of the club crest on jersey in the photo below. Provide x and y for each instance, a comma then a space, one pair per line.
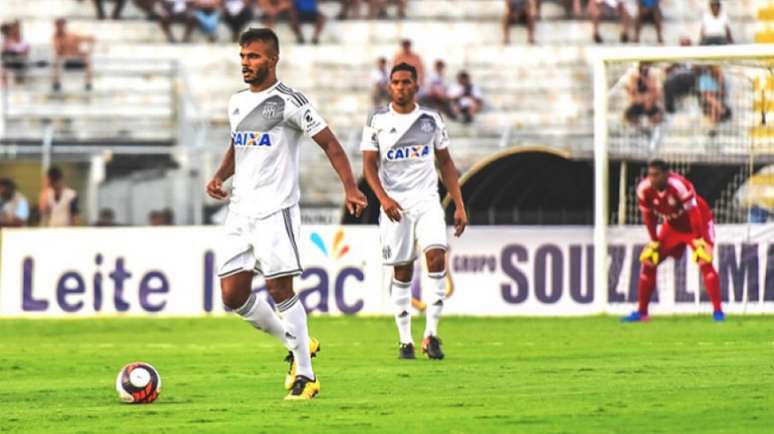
408, 152
249, 138
271, 110
427, 126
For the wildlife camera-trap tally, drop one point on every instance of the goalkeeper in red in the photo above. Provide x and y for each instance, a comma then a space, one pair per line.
686, 221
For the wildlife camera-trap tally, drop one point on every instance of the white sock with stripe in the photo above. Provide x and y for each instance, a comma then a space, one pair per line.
401, 297
435, 303
294, 314
259, 313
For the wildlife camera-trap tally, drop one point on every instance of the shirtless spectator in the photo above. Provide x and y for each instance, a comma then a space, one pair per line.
644, 92
465, 97
407, 55
273, 10
609, 9
520, 12
14, 207
16, 51
649, 11
71, 52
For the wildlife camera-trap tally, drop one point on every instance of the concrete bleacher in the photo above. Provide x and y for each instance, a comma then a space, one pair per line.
534, 95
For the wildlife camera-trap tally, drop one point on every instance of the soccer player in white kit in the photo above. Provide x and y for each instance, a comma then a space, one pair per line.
262, 227
400, 145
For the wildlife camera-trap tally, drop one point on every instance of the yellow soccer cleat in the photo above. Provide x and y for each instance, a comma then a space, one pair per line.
650, 253
290, 378
303, 389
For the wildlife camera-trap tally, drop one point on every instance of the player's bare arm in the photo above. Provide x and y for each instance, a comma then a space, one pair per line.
224, 172
370, 173
451, 181
355, 200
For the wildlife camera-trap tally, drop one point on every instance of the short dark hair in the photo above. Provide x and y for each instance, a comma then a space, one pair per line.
54, 174
659, 164
404, 67
259, 34
8, 183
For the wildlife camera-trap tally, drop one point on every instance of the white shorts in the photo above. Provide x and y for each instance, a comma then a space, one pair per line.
262, 245
423, 225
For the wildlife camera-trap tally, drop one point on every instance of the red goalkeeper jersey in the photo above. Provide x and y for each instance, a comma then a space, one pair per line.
678, 205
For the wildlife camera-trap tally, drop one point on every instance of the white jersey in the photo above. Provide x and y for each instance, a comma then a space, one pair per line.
406, 144
266, 128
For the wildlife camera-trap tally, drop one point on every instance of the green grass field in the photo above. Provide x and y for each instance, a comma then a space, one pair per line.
526, 375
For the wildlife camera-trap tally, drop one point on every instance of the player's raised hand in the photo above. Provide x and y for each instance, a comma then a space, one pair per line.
460, 221
650, 253
356, 202
701, 252
215, 189
392, 209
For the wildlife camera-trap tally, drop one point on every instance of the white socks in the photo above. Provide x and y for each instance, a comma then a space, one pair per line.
401, 297
257, 312
294, 314
435, 302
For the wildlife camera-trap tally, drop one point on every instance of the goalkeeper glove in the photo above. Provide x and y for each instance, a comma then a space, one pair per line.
701, 251
650, 253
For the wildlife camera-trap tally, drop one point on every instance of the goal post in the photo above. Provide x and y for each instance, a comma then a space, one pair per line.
703, 131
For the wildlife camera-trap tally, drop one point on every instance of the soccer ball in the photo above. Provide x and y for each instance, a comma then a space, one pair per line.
138, 383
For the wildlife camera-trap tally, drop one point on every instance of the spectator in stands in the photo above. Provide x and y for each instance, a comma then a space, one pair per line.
465, 97
378, 8
712, 94
644, 92
207, 14
715, 29
16, 51
176, 12
517, 12
349, 9
14, 208
307, 11
407, 55
380, 80
100, 5
436, 92
680, 80
609, 9
164, 217
572, 8
648, 11
106, 218
237, 14
273, 10
58, 203
71, 52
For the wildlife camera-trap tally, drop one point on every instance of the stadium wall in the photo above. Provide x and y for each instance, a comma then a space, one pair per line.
505, 270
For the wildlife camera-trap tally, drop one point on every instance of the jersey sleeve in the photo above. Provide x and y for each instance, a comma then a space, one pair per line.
308, 120
370, 139
684, 191
441, 138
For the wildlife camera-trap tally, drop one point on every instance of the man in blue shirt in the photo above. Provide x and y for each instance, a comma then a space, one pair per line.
307, 11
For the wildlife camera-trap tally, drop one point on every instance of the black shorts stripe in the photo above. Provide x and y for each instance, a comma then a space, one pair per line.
289, 229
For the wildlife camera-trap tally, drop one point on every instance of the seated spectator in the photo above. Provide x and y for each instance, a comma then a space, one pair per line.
176, 12
16, 51
14, 208
207, 14
273, 10
307, 11
380, 80
712, 94
99, 4
436, 92
572, 8
237, 14
518, 12
349, 9
609, 9
378, 8
465, 97
644, 92
150, 8
58, 203
106, 218
407, 55
648, 11
71, 52
714, 27
164, 217
680, 80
